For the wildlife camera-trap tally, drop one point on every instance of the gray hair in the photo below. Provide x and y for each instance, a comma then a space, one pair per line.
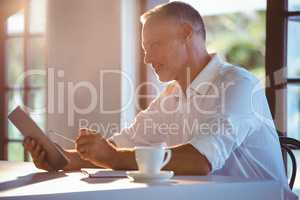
181, 12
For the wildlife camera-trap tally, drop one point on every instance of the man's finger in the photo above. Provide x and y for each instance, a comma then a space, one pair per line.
84, 156
28, 145
83, 131
83, 152
83, 148
26, 140
84, 139
33, 143
37, 149
41, 156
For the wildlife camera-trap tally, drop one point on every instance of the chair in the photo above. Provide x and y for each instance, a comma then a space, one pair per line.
289, 144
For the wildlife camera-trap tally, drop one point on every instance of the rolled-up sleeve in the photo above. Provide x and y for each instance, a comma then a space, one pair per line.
216, 147
133, 135
122, 140
140, 130
235, 122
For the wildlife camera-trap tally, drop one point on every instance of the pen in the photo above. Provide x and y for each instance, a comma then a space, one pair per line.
51, 131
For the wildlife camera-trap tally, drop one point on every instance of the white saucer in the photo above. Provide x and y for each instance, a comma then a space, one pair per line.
140, 177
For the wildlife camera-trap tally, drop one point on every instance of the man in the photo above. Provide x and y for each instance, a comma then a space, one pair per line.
215, 117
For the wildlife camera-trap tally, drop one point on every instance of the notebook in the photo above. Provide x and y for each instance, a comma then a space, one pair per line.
104, 173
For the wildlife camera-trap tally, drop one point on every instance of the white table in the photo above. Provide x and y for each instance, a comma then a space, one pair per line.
21, 180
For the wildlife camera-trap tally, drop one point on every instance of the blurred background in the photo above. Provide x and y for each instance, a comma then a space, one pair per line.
47, 47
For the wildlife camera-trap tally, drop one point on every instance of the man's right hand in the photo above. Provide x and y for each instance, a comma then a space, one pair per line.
38, 154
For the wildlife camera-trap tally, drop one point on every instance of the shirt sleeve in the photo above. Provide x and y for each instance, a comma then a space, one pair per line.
138, 133
233, 123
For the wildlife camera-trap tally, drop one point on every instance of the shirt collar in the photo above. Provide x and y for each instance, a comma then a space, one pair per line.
205, 78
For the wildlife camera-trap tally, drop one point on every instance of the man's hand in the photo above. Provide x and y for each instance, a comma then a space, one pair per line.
38, 154
94, 148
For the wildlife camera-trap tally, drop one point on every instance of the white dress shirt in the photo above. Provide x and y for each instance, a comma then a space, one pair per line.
224, 114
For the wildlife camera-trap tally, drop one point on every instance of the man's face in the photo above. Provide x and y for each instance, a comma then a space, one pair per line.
164, 49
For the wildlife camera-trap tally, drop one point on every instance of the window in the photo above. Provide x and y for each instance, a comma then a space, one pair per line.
24, 70
283, 69
239, 37
293, 75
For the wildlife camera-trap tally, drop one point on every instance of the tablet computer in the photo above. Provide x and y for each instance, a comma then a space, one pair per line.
55, 156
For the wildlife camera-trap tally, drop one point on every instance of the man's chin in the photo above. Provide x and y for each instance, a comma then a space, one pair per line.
163, 78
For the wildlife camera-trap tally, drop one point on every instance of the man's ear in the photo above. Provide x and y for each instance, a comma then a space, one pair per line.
186, 31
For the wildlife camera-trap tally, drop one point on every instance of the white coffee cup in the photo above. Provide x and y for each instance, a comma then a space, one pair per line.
151, 159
